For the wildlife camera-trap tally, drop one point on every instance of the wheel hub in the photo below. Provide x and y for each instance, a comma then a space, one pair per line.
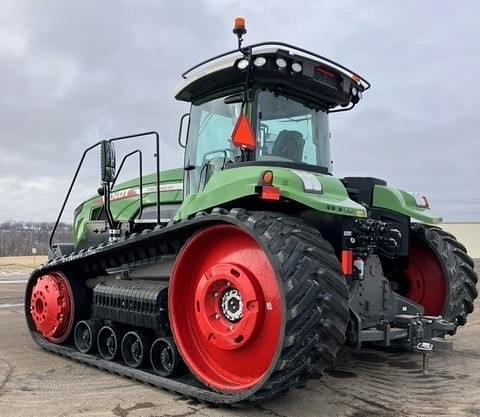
111, 344
51, 307
227, 306
232, 305
136, 350
86, 336
166, 358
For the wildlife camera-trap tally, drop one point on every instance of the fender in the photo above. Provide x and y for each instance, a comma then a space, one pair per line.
404, 203
125, 201
236, 183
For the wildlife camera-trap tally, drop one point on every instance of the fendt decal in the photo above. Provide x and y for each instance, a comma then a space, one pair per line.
135, 192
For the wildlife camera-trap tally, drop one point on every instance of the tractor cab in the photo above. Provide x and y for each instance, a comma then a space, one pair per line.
264, 104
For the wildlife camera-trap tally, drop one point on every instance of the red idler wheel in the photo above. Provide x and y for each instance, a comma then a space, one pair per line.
426, 281
226, 309
52, 307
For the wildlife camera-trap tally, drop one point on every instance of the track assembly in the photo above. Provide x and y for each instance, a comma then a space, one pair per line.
260, 346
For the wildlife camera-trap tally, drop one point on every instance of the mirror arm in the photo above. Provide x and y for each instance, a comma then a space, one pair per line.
106, 204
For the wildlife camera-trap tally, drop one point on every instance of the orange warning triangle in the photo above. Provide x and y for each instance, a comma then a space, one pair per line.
242, 135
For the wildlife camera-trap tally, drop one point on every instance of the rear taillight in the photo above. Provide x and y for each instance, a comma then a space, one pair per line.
347, 263
265, 187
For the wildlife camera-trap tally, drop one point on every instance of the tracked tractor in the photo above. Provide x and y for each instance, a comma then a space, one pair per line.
242, 274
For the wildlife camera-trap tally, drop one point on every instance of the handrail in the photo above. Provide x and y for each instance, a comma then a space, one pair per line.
52, 234
157, 157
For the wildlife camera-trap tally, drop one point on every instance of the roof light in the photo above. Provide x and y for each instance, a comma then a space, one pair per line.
239, 24
297, 67
242, 64
281, 63
259, 61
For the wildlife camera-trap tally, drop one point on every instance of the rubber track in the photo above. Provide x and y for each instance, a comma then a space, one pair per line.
316, 295
458, 268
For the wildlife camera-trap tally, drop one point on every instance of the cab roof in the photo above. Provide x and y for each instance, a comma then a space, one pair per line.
305, 75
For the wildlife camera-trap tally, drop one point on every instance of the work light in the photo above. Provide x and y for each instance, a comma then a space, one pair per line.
259, 61
242, 64
281, 63
297, 67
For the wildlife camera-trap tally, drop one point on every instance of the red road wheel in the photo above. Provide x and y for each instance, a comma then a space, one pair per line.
226, 309
52, 307
425, 279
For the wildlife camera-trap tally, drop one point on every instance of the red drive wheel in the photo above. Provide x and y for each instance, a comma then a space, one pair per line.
52, 307
426, 281
226, 309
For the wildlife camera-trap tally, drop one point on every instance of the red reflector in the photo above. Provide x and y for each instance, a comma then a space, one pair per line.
270, 193
242, 135
347, 262
322, 71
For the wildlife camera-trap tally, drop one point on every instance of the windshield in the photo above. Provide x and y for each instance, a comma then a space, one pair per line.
289, 131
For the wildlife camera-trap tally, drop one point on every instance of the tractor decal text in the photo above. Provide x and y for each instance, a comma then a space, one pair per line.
135, 192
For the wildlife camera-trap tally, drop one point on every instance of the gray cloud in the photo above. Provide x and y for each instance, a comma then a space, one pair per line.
75, 72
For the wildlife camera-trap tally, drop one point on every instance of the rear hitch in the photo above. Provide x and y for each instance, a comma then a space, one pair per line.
424, 348
426, 335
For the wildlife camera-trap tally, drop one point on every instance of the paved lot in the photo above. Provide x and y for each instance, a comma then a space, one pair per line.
366, 383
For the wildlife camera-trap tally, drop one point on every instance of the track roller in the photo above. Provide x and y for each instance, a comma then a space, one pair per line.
135, 347
164, 357
108, 342
86, 332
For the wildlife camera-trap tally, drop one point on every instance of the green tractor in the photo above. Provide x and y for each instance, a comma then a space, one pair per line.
242, 274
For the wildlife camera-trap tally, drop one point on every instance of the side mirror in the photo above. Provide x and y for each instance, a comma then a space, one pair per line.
107, 161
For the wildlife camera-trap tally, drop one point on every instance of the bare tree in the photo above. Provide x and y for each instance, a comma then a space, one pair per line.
18, 238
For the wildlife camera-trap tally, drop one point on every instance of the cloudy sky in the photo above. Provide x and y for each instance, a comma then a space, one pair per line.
74, 72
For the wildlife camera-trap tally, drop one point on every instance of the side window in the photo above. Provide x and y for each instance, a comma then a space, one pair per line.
214, 135
288, 130
209, 141
302, 125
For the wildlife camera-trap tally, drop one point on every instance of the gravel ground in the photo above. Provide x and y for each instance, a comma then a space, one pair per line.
365, 383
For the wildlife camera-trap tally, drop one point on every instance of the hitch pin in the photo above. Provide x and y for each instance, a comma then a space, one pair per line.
425, 348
